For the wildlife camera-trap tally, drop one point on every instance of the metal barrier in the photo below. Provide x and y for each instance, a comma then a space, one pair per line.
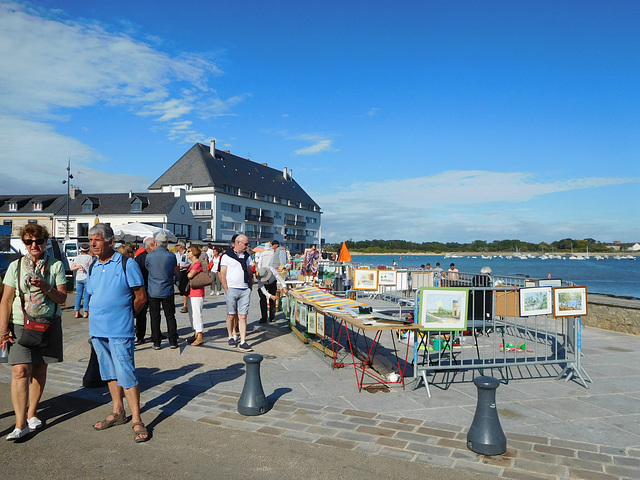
498, 338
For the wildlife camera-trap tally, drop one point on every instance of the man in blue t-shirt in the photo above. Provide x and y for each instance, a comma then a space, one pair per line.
161, 264
116, 292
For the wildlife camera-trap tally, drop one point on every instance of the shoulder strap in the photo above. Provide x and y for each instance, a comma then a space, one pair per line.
124, 264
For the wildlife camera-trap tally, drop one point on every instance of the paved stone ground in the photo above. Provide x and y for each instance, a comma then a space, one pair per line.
554, 429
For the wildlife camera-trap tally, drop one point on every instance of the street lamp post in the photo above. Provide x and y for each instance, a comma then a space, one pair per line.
68, 182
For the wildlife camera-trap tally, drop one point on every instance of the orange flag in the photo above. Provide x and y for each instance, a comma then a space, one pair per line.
344, 256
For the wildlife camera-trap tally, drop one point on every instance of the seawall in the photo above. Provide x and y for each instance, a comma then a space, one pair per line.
613, 313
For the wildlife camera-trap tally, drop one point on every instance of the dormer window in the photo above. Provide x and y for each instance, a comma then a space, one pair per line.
87, 206
136, 205
37, 206
13, 207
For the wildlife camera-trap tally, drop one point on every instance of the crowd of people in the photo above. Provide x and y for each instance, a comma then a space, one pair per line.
118, 289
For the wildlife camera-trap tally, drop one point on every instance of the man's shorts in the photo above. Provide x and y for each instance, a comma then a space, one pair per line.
115, 357
238, 301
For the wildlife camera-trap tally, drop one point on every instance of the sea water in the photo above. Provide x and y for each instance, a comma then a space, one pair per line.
609, 276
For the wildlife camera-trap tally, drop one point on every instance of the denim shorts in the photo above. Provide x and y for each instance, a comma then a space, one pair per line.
115, 357
238, 301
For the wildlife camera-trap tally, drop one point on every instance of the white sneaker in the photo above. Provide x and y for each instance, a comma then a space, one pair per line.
17, 433
213, 293
34, 422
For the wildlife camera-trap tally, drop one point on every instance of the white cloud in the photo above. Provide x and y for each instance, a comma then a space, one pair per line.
465, 205
318, 147
43, 156
48, 66
373, 112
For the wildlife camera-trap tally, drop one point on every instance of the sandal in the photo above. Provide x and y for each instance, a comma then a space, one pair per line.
142, 431
118, 419
183, 310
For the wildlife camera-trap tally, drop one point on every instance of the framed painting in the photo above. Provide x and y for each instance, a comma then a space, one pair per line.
551, 282
365, 279
569, 301
311, 321
387, 277
443, 308
293, 311
535, 301
530, 283
320, 325
302, 315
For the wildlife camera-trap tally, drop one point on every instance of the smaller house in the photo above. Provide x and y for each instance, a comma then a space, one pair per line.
166, 210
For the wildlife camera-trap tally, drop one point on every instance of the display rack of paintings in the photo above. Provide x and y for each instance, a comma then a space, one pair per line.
535, 301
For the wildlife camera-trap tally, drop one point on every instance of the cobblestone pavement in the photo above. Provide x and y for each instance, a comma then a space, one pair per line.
555, 429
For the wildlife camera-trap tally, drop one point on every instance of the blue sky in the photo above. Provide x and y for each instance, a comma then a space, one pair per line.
419, 120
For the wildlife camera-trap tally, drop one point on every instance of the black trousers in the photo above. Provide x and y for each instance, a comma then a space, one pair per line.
272, 288
169, 308
141, 321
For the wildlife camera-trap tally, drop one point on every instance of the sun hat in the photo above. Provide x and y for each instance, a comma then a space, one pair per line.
84, 248
264, 275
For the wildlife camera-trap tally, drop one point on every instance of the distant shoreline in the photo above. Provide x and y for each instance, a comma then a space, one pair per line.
496, 254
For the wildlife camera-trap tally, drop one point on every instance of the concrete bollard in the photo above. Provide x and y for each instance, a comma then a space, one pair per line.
485, 435
252, 401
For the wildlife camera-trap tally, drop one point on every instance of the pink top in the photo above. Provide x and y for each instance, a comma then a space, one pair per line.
196, 292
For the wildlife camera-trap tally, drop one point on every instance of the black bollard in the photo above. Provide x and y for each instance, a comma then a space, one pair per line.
252, 401
485, 435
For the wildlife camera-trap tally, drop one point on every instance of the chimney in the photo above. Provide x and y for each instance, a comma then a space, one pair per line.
130, 193
284, 173
212, 148
291, 174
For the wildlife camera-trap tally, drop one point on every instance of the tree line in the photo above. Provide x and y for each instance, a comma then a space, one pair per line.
566, 245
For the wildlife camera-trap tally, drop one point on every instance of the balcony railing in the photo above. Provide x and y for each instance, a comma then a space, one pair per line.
295, 237
264, 219
202, 213
252, 234
252, 218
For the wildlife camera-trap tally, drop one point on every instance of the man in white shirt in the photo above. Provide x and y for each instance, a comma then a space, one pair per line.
236, 277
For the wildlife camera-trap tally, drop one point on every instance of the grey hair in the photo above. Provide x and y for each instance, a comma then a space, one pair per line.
102, 229
148, 242
485, 270
162, 243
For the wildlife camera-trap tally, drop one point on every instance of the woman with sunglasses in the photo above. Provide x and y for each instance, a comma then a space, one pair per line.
36, 285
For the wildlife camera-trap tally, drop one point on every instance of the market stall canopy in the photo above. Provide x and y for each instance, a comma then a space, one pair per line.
344, 256
137, 232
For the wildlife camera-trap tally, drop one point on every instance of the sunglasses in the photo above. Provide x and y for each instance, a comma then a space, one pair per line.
29, 241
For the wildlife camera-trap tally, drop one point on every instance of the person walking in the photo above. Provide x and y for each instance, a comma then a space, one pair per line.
196, 297
81, 267
149, 245
214, 268
34, 286
161, 264
116, 286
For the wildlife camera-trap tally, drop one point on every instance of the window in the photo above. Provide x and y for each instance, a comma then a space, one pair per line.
230, 189
136, 205
33, 221
234, 226
9, 223
87, 207
200, 205
311, 220
277, 215
37, 207
230, 207
83, 229
13, 207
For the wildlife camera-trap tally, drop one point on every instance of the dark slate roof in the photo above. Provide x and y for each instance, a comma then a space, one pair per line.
104, 203
199, 168
51, 204
117, 203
